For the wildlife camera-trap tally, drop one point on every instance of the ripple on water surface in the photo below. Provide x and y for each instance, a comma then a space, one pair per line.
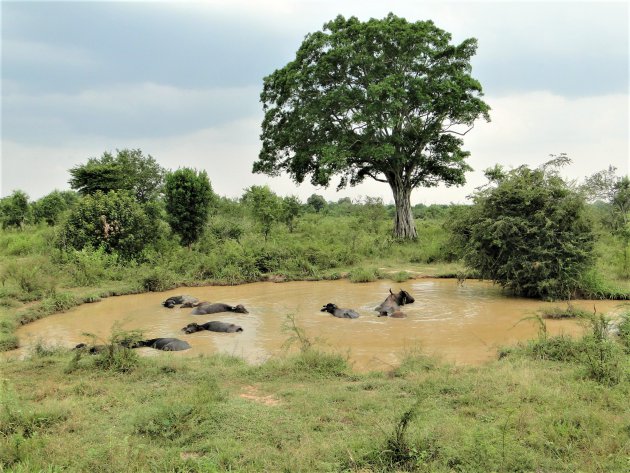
464, 324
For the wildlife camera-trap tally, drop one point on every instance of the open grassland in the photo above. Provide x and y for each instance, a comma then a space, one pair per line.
309, 411
550, 405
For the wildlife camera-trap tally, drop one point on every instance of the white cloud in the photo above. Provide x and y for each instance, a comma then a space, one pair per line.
525, 129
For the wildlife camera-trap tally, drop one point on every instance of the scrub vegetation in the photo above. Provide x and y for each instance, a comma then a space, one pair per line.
551, 404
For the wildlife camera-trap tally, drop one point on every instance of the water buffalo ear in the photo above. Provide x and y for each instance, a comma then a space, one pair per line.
390, 291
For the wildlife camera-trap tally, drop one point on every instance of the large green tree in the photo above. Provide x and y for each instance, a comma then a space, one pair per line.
127, 170
384, 99
188, 196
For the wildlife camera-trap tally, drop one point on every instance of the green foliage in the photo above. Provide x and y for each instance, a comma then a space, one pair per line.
117, 356
114, 221
188, 196
603, 359
400, 276
129, 170
158, 280
377, 99
364, 275
14, 209
570, 312
316, 202
266, 207
87, 267
291, 209
50, 207
58, 302
529, 233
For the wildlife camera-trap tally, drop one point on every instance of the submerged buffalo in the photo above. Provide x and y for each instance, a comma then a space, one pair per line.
391, 305
185, 301
165, 344
338, 312
208, 308
213, 326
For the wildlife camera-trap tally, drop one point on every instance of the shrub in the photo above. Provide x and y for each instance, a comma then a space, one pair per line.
529, 232
114, 221
58, 302
158, 280
364, 275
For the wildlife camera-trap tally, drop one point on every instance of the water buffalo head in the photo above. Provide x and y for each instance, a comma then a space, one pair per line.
330, 307
240, 309
192, 328
404, 298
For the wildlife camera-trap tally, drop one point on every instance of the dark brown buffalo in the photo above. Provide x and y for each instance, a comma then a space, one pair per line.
213, 326
185, 301
338, 312
391, 305
207, 308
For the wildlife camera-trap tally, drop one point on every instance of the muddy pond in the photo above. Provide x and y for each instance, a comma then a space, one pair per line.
461, 324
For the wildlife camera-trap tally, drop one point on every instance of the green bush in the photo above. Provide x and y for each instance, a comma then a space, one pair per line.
364, 275
58, 302
114, 221
530, 232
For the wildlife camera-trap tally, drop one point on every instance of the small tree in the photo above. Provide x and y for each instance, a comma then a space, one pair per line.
49, 208
615, 192
265, 206
528, 231
114, 221
188, 195
14, 209
316, 202
291, 209
128, 170
371, 213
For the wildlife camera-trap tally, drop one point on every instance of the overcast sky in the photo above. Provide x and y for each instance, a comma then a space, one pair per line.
182, 81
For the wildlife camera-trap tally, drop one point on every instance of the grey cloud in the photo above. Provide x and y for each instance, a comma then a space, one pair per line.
135, 111
135, 42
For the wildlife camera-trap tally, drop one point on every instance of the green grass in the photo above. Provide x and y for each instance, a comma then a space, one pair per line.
309, 412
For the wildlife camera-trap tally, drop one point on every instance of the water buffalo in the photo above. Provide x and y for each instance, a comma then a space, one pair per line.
207, 308
213, 326
185, 301
341, 313
92, 350
393, 302
165, 344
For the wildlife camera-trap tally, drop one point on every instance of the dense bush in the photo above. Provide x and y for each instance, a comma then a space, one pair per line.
14, 209
50, 207
114, 221
529, 232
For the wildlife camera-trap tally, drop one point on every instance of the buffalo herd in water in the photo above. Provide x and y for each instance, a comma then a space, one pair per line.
390, 307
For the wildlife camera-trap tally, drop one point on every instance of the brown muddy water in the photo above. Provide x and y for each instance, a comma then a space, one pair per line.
462, 324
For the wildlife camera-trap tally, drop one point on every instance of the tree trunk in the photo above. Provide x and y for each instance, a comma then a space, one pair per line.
404, 227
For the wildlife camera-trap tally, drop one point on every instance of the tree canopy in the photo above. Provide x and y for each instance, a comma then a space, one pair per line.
128, 170
188, 196
384, 99
14, 209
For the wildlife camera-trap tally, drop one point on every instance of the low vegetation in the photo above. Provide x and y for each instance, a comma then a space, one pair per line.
551, 404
